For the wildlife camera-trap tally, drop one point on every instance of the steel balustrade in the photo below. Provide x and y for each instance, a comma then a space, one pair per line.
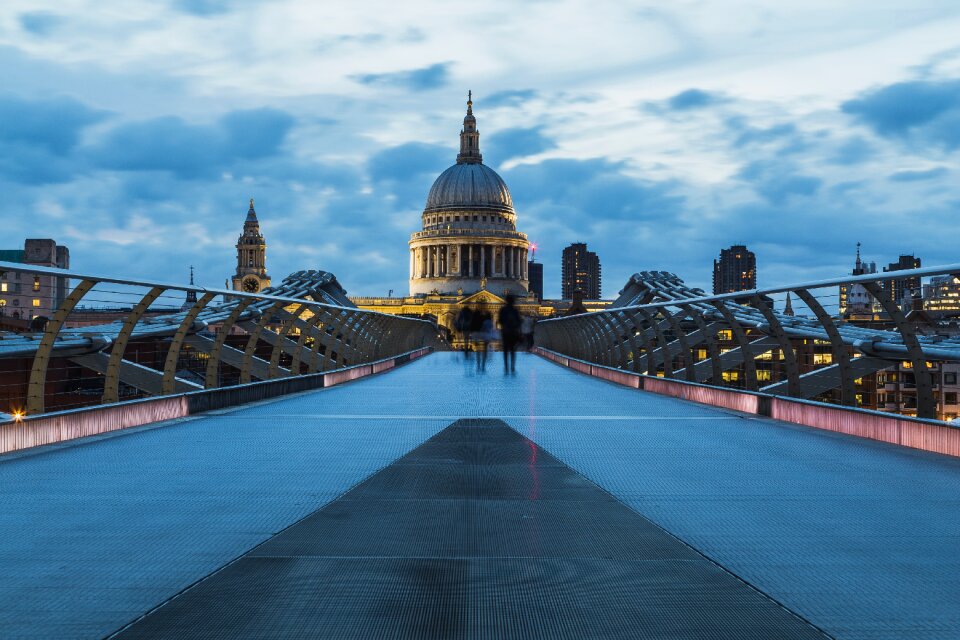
658, 323
305, 322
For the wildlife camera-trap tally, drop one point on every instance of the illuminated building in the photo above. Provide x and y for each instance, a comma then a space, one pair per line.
863, 302
251, 274
24, 296
468, 252
580, 271
901, 289
735, 271
942, 294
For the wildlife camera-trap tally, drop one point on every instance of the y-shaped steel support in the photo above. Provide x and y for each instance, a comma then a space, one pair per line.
38, 373
111, 383
173, 353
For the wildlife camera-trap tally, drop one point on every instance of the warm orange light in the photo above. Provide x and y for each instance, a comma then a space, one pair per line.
18, 415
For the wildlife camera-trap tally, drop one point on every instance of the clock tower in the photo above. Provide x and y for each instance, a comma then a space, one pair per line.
251, 275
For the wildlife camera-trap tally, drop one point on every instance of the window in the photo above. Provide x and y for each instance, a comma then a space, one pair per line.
950, 398
950, 377
822, 358
36, 283
36, 302
3, 287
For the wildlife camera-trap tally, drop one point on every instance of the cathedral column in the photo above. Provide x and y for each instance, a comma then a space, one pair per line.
483, 261
508, 261
412, 272
470, 260
448, 269
436, 260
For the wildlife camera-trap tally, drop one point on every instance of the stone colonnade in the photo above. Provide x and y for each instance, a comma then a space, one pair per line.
469, 261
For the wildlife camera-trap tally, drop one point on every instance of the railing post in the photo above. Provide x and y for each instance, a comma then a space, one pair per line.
661, 341
248, 353
674, 320
41, 360
926, 403
713, 350
111, 380
841, 354
789, 357
740, 336
169, 383
213, 360
285, 329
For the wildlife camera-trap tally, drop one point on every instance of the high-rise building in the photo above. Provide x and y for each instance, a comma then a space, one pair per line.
581, 270
854, 298
898, 289
26, 296
251, 275
942, 294
736, 270
535, 273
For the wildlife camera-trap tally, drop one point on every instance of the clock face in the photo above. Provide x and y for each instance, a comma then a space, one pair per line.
251, 285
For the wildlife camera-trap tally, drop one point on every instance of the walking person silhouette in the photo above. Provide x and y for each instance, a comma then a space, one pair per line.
510, 325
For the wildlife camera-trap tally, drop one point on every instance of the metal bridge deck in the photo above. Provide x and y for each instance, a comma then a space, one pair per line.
860, 538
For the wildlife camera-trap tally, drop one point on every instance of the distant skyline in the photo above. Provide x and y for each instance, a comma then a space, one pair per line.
656, 134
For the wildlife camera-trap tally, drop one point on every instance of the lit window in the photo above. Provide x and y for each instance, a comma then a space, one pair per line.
36, 302
36, 283
3, 287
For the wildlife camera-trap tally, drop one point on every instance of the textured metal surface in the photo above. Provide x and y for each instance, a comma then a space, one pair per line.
857, 536
456, 540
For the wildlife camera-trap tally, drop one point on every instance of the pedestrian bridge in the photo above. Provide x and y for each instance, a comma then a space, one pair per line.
434, 501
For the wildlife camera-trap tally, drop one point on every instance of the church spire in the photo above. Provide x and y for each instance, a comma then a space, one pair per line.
469, 137
191, 298
788, 308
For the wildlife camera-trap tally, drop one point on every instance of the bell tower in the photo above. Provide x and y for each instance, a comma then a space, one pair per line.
251, 275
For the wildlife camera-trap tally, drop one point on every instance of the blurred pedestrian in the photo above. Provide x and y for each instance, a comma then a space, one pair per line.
510, 325
477, 337
526, 332
463, 324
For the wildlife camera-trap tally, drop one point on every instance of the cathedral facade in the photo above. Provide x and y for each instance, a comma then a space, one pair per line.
468, 240
468, 252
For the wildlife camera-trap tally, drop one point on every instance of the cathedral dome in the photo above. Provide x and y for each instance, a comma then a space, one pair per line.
469, 186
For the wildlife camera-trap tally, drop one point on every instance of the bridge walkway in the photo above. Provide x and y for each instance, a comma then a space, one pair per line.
858, 538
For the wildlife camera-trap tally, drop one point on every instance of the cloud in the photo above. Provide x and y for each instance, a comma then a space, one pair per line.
693, 99
923, 111
190, 150
40, 23
54, 124
405, 172
914, 176
778, 182
515, 142
202, 8
745, 134
853, 151
256, 133
507, 98
425, 78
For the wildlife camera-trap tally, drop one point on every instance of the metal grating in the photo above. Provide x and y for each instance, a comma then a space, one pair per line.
436, 547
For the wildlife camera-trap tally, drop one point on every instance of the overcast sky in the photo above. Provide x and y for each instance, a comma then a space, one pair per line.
655, 132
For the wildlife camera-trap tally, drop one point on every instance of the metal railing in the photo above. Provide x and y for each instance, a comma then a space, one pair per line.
108, 339
661, 327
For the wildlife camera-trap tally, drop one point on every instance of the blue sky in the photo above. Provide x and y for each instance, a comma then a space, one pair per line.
655, 132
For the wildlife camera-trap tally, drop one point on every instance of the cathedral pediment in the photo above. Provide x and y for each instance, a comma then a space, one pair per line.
483, 297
